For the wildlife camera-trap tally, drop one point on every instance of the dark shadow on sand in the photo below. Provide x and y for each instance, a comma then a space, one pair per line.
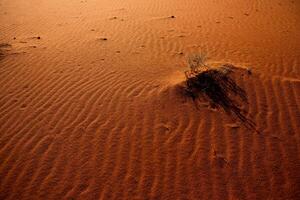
220, 90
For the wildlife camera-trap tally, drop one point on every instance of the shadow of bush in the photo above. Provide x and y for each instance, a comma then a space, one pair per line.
216, 86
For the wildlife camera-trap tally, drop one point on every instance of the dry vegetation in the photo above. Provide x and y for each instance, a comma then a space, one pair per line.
215, 84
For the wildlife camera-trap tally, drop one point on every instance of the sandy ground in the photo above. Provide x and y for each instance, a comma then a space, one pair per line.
91, 104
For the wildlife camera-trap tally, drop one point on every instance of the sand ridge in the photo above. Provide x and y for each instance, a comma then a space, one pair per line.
91, 105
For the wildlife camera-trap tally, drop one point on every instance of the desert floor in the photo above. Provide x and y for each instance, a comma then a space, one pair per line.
92, 103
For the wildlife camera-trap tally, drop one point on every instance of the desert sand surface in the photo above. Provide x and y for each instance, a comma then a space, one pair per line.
91, 101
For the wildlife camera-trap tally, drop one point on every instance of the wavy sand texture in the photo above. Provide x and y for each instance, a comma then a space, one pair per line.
91, 108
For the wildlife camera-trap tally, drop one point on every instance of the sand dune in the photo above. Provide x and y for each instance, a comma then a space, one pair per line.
91, 101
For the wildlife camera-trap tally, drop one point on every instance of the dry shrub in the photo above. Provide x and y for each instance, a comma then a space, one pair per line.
216, 85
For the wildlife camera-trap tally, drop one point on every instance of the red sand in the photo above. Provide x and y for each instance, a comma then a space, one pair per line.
82, 117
